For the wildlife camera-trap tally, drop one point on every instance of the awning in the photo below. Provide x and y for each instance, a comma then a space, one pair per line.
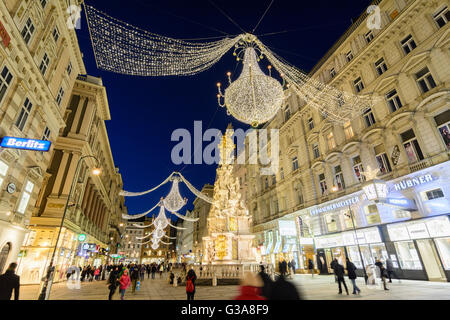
276, 249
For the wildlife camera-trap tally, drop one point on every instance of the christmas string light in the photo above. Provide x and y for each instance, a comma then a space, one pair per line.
135, 194
173, 201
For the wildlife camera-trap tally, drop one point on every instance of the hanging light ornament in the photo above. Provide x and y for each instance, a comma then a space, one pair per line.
155, 246
174, 201
253, 97
161, 221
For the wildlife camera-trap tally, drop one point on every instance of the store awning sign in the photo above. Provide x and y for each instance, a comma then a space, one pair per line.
25, 144
416, 181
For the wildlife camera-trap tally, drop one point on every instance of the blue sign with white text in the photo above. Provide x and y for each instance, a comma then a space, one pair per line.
25, 144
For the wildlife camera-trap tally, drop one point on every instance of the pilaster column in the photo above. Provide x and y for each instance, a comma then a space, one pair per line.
60, 173
88, 116
90, 198
76, 119
71, 173
87, 189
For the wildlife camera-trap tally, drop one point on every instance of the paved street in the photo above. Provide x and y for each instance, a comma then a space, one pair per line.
317, 288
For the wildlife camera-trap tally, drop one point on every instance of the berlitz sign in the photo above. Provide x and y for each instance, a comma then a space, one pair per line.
416, 181
25, 144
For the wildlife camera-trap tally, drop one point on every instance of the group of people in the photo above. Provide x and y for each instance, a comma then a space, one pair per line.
287, 268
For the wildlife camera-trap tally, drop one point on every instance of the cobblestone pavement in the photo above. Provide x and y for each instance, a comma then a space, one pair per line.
317, 288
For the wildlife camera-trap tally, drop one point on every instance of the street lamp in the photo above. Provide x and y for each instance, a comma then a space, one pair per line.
46, 288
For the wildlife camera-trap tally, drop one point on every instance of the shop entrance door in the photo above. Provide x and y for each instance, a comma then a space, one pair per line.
328, 258
430, 260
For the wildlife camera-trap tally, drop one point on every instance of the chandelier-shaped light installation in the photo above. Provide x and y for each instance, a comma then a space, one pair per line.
173, 201
252, 98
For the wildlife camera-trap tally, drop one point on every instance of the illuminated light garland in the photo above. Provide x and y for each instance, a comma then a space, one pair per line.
136, 194
198, 193
183, 217
139, 215
173, 201
155, 246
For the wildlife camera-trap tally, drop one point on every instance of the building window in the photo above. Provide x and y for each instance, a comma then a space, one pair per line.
294, 164
369, 36
407, 255
443, 124
372, 214
27, 31
3, 171
322, 183
332, 73
26, 195
24, 114
310, 123
339, 178
442, 17
408, 44
69, 68
281, 173
358, 84
274, 179
43, 3
411, 146
358, 168
55, 34
44, 64
60, 96
330, 141
316, 152
382, 159
369, 118
5, 81
434, 194
46, 135
299, 193
349, 56
425, 80
393, 100
381, 67
348, 130
266, 183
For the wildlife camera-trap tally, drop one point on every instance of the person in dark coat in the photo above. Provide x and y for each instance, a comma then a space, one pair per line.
390, 270
351, 271
9, 281
192, 277
293, 264
379, 264
149, 270
283, 290
311, 267
339, 271
153, 271
265, 290
332, 266
134, 277
113, 282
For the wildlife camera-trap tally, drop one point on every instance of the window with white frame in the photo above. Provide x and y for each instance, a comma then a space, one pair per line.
434, 194
26, 195
368, 36
24, 114
358, 168
412, 148
408, 44
60, 96
315, 149
46, 135
372, 214
294, 163
443, 124
55, 34
425, 80
348, 130
349, 56
382, 159
381, 66
69, 68
442, 17
310, 123
5, 81
332, 73
331, 142
44, 64
28, 30
369, 117
322, 183
339, 178
3, 171
393, 100
358, 84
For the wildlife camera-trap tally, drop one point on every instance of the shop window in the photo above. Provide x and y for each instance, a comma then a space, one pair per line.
393, 100
358, 84
434, 194
358, 168
349, 56
348, 130
443, 125
407, 255
5, 81
425, 80
3, 171
382, 159
331, 223
402, 214
28, 30
369, 117
315, 149
348, 222
380, 66
372, 215
331, 141
368, 36
339, 178
24, 114
408, 44
411, 146
322, 183
26, 195
442, 17
354, 256
443, 246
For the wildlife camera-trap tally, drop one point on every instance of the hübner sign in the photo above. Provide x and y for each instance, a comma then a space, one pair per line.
409, 183
335, 205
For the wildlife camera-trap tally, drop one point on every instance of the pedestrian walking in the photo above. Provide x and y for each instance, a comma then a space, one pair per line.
390, 270
142, 272
9, 281
97, 274
161, 269
283, 290
149, 270
332, 266
311, 267
190, 284
125, 283
134, 276
339, 271
113, 282
294, 265
379, 264
267, 282
250, 288
351, 272
153, 271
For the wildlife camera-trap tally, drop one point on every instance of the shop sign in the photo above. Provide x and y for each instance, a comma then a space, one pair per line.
409, 183
89, 246
403, 203
287, 228
329, 242
6, 39
25, 144
418, 231
336, 205
81, 237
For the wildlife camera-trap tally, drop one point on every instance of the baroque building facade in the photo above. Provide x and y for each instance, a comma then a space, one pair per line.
200, 211
39, 62
314, 206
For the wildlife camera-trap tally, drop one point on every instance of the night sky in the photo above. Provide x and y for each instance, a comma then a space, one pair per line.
146, 110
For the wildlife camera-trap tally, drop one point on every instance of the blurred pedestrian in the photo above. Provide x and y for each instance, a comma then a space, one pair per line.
267, 282
390, 270
379, 264
190, 284
113, 282
134, 276
283, 290
161, 269
9, 281
153, 271
125, 283
351, 272
339, 271
311, 267
250, 288
142, 272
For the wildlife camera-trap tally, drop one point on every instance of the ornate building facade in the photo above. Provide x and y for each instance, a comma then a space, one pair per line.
200, 211
315, 206
39, 62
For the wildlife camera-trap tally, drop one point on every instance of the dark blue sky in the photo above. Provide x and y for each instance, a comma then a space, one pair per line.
146, 110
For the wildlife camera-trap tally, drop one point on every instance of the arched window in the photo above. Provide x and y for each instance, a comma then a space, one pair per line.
4, 253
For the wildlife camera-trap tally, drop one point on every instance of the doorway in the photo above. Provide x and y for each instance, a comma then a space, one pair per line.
430, 260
